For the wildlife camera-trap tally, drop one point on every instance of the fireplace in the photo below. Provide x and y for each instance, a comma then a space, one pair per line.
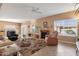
44, 33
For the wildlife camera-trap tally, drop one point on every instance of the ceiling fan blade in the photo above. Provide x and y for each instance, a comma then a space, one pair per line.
77, 9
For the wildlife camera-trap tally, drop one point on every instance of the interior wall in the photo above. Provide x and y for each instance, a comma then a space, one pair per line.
50, 20
25, 28
3, 24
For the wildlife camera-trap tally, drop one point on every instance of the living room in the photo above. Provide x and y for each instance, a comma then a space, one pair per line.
30, 23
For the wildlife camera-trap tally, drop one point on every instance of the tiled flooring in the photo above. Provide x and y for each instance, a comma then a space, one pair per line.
62, 49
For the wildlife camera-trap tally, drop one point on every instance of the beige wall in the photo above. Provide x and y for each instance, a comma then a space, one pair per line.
3, 25
50, 20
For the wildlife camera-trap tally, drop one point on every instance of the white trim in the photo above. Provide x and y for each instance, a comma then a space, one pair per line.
66, 42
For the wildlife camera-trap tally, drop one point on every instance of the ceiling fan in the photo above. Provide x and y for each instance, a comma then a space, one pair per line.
76, 6
36, 10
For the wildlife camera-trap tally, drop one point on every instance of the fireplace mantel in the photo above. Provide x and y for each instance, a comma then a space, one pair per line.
46, 30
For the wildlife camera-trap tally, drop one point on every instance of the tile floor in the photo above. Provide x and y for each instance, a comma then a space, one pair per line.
62, 49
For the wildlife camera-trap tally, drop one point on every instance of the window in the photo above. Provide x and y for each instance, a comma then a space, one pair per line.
66, 27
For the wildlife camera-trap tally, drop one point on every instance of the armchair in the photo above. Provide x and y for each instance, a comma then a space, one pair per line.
52, 38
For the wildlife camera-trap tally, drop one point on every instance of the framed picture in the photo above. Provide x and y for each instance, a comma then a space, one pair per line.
45, 24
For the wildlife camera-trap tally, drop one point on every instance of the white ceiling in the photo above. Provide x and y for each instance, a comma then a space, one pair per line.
21, 12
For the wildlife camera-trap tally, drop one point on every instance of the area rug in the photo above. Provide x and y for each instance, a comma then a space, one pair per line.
29, 47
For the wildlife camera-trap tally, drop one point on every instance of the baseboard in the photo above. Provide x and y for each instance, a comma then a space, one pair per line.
66, 42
